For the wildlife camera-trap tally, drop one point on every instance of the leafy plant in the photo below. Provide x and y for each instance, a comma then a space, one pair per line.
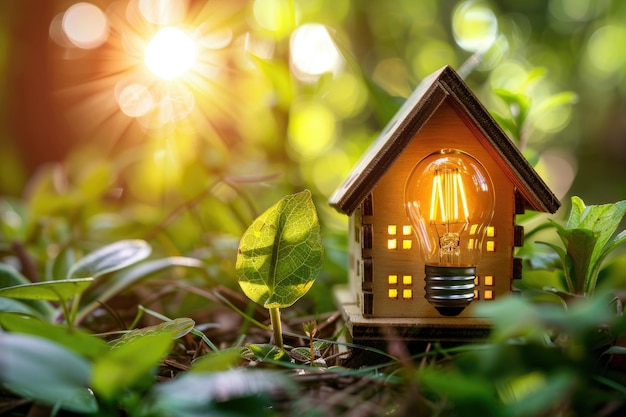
280, 255
76, 371
521, 109
588, 239
38, 298
540, 360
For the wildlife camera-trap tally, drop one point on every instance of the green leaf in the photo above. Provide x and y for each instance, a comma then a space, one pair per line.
195, 394
534, 393
111, 258
556, 100
580, 246
576, 212
124, 279
602, 220
218, 361
46, 372
619, 239
9, 277
281, 252
264, 352
77, 340
125, 366
174, 328
59, 266
565, 263
471, 395
49, 290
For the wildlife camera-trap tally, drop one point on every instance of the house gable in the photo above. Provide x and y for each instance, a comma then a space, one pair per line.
442, 86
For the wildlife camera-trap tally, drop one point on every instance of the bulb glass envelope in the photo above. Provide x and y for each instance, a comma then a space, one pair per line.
449, 199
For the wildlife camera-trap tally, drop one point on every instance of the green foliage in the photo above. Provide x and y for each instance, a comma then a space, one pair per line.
539, 359
175, 328
129, 362
68, 292
111, 258
77, 340
60, 290
588, 239
153, 215
281, 253
37, 368
235, 393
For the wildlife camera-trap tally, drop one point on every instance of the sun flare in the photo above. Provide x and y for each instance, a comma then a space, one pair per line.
170, 53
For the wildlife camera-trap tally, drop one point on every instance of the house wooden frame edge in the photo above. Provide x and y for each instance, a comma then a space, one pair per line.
413, 115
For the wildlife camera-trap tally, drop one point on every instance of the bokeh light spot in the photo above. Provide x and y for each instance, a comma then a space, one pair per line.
602, 53
393, 75
313, 51
571, 10
474, 26
311, 129
432, 55
329, 171
85, 25
346, 95
135, 100
277, 16
170, 53
559, 168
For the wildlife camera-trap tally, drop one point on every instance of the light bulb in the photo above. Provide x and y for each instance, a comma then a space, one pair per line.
449, 199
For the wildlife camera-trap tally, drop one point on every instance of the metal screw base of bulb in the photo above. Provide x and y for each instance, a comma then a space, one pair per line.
449, 288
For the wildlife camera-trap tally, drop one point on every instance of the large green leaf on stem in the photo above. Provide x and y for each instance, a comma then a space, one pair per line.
111, 258
280, 254
46, 372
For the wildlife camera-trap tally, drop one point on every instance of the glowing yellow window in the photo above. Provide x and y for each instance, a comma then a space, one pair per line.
392, 243
476, 281
488, 295
392, 279
393, 293
489, 280
392, 229
406, 230
407, 294
476, 295
407, 279
407, 244
491, 246
491, 231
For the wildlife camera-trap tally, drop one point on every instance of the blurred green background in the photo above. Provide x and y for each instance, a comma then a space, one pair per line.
284, 95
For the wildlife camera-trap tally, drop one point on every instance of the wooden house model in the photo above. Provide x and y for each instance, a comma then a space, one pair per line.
386, 291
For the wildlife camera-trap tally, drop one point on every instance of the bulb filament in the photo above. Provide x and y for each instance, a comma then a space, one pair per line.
449, 213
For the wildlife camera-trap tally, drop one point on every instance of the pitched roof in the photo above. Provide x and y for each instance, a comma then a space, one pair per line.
413, 115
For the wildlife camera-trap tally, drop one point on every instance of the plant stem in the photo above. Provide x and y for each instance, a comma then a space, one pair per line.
276, 327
